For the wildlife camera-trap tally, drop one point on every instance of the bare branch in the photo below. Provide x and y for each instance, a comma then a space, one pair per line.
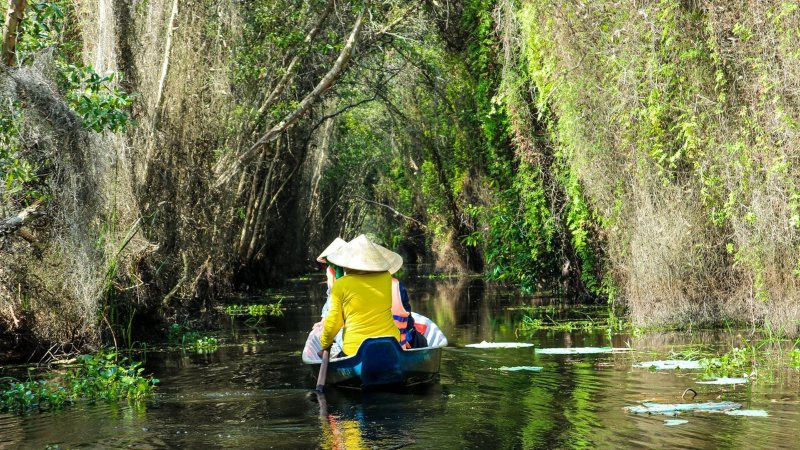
162, 81
342, 110
396, 212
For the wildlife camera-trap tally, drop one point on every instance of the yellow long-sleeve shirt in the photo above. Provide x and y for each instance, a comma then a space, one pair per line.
362, 303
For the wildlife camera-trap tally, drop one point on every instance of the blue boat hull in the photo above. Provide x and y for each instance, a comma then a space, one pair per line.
381, 362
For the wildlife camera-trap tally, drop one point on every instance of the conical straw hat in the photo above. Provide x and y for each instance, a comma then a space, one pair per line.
360, 254
394, 259
332, 248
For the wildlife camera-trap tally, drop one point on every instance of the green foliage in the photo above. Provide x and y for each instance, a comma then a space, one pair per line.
205, 344
95, 98
518, 239
274, 309
103, 376
731, 364
191, 340
568, 319
100, 103
42, 26
107, 377
524, 233
29, 395
16, 173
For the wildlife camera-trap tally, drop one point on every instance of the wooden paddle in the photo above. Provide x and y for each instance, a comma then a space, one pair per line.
323, 371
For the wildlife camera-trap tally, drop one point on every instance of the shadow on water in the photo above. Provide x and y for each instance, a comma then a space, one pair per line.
254, 391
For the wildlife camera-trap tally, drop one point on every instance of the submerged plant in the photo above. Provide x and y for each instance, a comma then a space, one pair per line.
103, 376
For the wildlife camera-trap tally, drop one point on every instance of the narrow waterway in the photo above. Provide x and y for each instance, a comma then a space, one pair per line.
254, 391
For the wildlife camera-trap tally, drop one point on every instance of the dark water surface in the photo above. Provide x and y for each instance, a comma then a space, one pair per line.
253, 392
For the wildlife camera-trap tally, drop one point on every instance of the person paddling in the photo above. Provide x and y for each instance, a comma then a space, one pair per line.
401, 306
361, 300
332, 272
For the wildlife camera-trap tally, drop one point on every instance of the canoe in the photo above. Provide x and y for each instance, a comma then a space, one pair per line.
381, 361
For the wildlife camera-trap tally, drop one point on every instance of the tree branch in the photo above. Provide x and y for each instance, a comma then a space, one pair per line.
162, 80
290, 119
14, 223
396, 212
290, 70
342, 110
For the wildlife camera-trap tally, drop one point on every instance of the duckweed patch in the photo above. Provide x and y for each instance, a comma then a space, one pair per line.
103, 376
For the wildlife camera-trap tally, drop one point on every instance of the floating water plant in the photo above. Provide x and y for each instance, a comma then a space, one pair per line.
748, 413
191, 340
725, 380
485, 344
565, 318
95, 377
256, 310
674, 422
521, 368
671, 409
733, 362
671, 364
574, 350
204, 344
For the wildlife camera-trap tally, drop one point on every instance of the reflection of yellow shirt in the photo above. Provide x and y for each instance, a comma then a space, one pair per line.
341, 434
362, 303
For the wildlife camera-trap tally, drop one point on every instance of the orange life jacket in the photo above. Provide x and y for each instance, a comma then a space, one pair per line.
399, 314
331, 274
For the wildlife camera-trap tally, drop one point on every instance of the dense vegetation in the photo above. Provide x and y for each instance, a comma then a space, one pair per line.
104, 376
636, 155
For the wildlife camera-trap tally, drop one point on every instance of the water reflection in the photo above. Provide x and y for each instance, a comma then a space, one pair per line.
254, 392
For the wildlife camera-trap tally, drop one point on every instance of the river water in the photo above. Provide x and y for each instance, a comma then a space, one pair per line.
254, 391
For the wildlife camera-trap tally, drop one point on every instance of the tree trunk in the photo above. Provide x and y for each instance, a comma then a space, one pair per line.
16, 11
